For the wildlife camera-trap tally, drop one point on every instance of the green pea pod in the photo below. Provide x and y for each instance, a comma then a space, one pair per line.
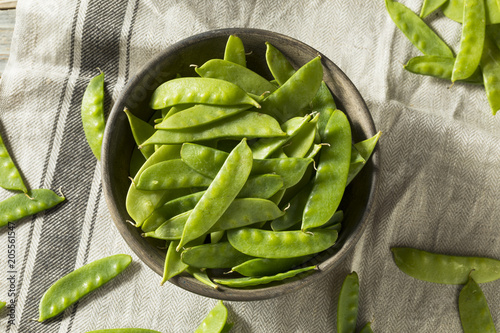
201, 276
261, 186
315, 149
293, 214
454, 9
430, 6
300, 144
241, 76
198, 115
22, 205
280, 67
296, 93
445, 269
440, 67
475, 314
217, 236
125, 330
490, 64
417, 31
364, 149
246, 124
253, 281
324, 104
227, 328
265, 267
10, 178
173, 265
290, 169
472, 41
141, 131
235, 51
347, 309
189, 90
218, 255
280, 244
215, 321
367, 328
93, 114
219, 195
331, 176
73, 286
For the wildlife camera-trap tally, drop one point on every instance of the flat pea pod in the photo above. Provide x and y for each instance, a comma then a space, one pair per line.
324, 104
189, 90
472, 41
73, 286
315, 149
454, 9
294, 213
296, 93
299, 145
20, 205
215, 321
10, 178
219, 195
200, 114
280, 244
173, 265
254, 281
440, 67
347, 309
475, 314
235, 51
241, 76
246, 124
141, 131
280, 67
417, 31
261, 186
93, 114
125, 330
290, 169
331, 176
264, 267
430, 6
490, 65
367, 328
202, 276
364, 149
171, 174
218, 255
445, 269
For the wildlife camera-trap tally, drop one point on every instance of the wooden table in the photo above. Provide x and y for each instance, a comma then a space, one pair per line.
7, 19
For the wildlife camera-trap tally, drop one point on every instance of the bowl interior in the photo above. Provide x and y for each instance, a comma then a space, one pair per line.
177, 59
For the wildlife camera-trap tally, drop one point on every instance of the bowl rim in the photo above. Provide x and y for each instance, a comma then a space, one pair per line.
187, 282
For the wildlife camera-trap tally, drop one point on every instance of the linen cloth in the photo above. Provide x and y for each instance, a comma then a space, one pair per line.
439, 171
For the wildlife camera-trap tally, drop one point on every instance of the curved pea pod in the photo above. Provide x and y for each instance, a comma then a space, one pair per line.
280, 244
141, 131
472, 41
219, 255
367, 328
324, 104
261, 186
198, 115
125, 330
73, 286
454, 9
241, 76
254, 281
264, 267
331, 177
364, 149
219, 195
202, 276
215, 321
10, 178
315, 149
173, 265
445, 269
217, 236
20, 205
235, 51
189, 90
93, 114
172, 174
246, 124
490, 64
475, 314
280, 67
293, 214
347, 309
296, 93
290, 169
440, 67
417, 31
430, 6
300, 144
171, 110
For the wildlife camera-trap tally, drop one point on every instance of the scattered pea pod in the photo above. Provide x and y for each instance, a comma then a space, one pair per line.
490, 64
215, 321
475, 314
10, 178
93, 114
440, 67
347, 309
454, 9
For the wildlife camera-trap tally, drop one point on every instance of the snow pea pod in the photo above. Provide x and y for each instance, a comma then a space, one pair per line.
246, 124
430, 6
264, 267
331, 177
294, 213
490, 64
10, 178
125, 330
241, 76
475, 314
141, 131
347, 309
235, 51
367, 328
73, 286
364, 149
417, 31
200, 114
261, 186
445, 269
280, 244
299, 145
20, 205
472, 41
93, 114
290, 169
454, 9
440, 67
215, 321
218, 255
253, 281
173, 264
219, 195
280, 67
189, 90
324, 104
201, 276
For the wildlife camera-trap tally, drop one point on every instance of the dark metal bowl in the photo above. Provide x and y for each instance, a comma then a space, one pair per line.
118, 145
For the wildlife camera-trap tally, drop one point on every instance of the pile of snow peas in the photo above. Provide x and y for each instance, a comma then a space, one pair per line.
478, 59
240, 173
